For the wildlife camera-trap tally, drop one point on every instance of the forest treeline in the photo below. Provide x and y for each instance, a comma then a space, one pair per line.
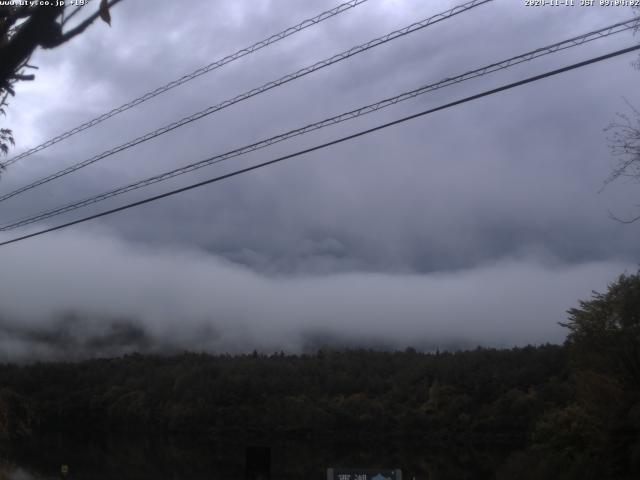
570, 411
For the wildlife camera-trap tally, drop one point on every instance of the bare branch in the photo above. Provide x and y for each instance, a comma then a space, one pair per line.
623, 136
622, 220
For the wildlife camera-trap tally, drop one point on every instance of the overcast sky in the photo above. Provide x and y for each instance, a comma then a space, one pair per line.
480, 224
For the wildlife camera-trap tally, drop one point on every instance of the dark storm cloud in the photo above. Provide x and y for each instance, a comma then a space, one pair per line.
511, 173
510, 180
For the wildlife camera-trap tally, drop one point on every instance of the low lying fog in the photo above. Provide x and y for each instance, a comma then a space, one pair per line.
80, 293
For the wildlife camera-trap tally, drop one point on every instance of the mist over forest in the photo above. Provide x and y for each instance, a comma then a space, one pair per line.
134, 298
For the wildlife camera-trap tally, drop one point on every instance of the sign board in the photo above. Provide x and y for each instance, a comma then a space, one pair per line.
363, 474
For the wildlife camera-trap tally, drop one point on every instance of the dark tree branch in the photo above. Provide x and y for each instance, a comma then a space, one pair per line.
32, 33
23, 29
11, 15
72, 14
14, 13
4, 98
81, 27
19, 76
8, 17
39, 29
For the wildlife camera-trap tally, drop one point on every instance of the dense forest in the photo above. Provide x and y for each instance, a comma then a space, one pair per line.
570, 411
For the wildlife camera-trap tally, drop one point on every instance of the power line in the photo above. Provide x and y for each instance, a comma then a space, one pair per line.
190, 76
256, 91
333, 142
531, 55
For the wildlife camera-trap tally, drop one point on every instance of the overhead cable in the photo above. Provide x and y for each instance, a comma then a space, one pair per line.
328, 144
190, 76
525, 57
251, 93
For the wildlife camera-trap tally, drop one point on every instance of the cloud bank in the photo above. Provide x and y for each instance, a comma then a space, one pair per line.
90, 293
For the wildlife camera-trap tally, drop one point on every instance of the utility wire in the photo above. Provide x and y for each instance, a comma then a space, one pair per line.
569, 43
333, 142
190, 76
256, 91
